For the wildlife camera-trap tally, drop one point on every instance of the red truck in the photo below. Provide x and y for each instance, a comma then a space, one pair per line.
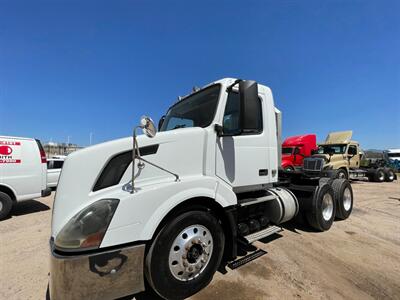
296, 148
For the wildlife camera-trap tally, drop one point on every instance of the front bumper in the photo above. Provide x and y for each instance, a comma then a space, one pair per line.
105, 275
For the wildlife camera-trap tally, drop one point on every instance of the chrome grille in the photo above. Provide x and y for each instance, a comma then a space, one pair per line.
313, 164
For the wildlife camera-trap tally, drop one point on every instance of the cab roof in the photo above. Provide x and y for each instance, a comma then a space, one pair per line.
300, 140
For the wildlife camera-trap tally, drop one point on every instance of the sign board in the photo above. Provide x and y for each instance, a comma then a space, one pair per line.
10, 152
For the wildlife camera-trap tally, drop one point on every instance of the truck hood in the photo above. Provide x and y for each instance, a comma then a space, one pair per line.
339, 137
180, 151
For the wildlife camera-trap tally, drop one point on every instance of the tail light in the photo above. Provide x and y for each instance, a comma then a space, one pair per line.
42, 153
43, 156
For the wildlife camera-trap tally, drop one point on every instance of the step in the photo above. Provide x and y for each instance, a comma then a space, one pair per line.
262, 234
246, 259
246, 202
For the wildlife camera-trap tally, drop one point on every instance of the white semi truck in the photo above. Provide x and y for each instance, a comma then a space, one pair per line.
206, 182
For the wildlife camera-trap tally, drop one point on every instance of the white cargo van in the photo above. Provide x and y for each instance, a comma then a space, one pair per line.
23, 171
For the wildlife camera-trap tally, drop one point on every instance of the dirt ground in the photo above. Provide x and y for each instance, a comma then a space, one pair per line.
356, 259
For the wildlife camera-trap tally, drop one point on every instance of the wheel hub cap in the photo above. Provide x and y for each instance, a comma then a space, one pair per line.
347, 199
381, 176
1, 206
327, 207
190, 252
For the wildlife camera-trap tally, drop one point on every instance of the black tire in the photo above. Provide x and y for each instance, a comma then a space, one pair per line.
5, 205
317, 216
157, 266
379, 175
343, 197
341, 174
389, 175
289, 169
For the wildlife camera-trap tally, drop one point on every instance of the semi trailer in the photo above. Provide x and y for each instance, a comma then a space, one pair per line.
295, 149
165, 210
341, 154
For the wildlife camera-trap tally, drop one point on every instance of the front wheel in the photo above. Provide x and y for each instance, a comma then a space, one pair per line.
185, 254
289, 169
341, 174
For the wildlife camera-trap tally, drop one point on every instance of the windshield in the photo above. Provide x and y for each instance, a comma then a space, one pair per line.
287, 150
196, 110
334, 149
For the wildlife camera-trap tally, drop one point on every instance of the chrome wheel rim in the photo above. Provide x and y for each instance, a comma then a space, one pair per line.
1, 206
327, 207
190, 252
391, 176
342, 175
381, 176
347, 199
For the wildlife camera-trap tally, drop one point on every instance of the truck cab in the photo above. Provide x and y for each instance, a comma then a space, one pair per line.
169, 208
295, 149
345, 157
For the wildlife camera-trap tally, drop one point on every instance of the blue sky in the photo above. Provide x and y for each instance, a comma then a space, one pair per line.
68, 68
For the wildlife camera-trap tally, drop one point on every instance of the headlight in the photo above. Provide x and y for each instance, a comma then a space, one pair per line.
87, 228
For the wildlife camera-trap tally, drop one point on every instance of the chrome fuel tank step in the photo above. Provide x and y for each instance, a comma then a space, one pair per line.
251, 238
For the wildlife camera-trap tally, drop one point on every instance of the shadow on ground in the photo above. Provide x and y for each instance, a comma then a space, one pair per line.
28, 207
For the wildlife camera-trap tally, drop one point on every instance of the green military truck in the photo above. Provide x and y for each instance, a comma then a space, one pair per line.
343, 158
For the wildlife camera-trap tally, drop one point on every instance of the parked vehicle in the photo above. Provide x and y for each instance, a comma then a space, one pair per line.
54, 166
22, 171
394, 156
295, 149
171, 207
344, 155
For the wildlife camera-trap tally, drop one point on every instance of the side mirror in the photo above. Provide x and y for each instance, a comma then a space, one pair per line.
148, 127
248, 92
296, 151
161, 122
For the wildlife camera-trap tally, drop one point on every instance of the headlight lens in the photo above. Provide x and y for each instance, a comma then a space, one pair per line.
87, 228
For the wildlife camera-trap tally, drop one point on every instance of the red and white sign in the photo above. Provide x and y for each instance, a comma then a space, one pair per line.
10, 152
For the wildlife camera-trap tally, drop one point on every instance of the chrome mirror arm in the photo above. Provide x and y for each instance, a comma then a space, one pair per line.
162, 169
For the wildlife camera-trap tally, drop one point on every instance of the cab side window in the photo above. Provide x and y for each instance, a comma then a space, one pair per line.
231, 121
352, 150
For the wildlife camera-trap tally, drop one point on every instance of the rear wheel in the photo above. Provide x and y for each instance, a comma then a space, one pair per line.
323, 209
389, 175
343, 194
5, 205
185, 255
379, 175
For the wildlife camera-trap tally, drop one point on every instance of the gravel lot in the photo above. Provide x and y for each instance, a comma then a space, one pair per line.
357, 259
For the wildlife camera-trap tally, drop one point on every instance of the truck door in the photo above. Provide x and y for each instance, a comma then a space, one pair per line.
242, 158
354, 158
